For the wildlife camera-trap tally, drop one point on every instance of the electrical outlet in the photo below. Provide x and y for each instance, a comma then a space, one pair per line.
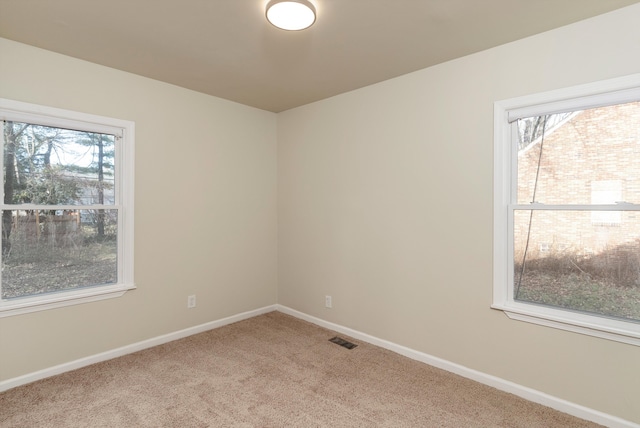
327, 302
191, 301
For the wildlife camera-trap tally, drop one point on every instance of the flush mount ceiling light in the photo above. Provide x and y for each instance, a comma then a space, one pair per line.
291, 14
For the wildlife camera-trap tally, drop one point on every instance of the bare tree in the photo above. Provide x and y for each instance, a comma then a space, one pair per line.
12, 134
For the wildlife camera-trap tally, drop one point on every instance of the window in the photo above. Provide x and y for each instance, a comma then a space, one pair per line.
606, 192
67, 207
566, 209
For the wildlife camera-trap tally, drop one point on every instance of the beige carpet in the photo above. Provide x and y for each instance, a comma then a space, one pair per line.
270, 371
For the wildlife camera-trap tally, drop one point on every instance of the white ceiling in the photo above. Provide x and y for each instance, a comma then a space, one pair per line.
227, 49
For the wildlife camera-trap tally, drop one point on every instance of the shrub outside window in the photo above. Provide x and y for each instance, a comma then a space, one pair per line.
67, 207
566, 209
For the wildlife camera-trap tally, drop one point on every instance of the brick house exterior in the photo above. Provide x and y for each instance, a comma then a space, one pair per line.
593, 157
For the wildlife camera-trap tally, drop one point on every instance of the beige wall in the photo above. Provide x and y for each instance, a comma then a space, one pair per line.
385, 203
205, 219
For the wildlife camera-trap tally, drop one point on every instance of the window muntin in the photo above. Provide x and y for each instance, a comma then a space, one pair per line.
567, 226
67, 207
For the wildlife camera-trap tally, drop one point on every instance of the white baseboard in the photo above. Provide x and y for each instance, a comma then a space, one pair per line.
135, 347
493, 381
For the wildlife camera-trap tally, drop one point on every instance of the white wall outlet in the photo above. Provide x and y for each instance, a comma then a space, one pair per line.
191, 301
327, 302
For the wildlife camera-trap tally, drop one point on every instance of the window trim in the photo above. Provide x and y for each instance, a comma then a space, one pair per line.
124, 171
613, 91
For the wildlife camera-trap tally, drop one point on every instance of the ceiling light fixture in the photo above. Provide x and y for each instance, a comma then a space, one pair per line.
291, 14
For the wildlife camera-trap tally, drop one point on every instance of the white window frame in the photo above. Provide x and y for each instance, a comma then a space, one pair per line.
124, 187
609, 92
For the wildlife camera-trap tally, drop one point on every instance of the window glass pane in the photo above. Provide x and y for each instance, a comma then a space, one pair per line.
46, 251
563, 259
55, 166
582, 157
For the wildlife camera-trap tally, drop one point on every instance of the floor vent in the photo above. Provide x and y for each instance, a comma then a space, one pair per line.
343, 342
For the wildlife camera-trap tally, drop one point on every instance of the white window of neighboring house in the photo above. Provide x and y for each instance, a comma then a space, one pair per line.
67, 207
567, 163
606, 192
545, 247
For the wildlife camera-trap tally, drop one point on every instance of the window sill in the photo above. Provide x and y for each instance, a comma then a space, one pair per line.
27, 305
604, 328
